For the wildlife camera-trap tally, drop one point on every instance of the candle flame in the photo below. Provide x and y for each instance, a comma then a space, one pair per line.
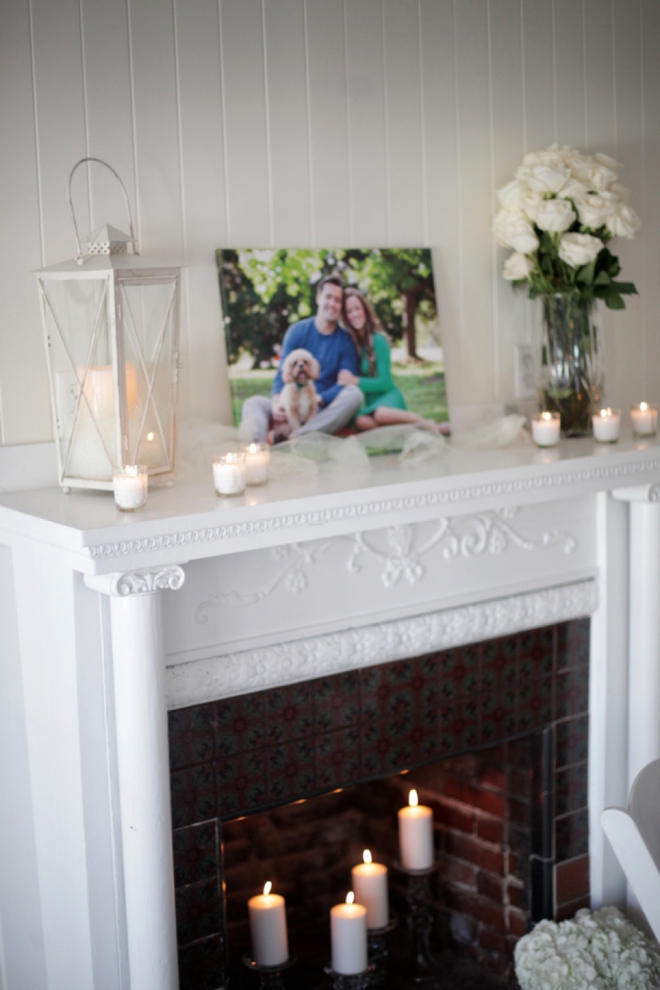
252, 448
267, 887
367, 857
413, 799
643, 406
546, 415
150, 436
350, 897
606, 412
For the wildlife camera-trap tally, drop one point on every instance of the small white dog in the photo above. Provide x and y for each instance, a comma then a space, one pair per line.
298, 399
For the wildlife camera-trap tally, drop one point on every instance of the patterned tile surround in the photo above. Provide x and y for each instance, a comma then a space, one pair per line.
234, 757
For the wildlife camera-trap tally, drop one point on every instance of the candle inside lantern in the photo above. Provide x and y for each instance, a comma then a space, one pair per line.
348, 931
229, 473
416, 835
370, 885
545, 429
270, 942
644, 419
130, 485
100, 390
257, 459
606, 423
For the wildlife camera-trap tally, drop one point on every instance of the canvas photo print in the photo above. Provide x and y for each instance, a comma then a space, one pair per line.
332, 340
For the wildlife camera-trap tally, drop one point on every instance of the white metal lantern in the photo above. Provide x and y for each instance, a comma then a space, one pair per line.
111, 321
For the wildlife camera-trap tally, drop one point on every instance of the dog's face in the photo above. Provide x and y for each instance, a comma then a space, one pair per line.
300, 367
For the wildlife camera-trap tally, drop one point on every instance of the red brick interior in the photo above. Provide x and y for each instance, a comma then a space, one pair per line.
482, 811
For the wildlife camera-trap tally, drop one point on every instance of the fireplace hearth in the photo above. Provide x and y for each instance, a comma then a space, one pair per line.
292, 783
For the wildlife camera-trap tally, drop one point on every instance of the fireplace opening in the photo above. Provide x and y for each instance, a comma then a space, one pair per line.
493, 734
485, 807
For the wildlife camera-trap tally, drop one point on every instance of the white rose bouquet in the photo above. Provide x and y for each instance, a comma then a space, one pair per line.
599, 951
558, 214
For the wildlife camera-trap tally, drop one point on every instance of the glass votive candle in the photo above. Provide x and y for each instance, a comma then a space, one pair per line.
644, 419
229, 473
257, 459
545, 429
130, 485
606, 424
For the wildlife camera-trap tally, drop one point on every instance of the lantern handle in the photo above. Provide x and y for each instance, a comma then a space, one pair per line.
79, 256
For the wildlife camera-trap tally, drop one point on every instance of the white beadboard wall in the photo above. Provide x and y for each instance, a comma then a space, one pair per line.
318, 122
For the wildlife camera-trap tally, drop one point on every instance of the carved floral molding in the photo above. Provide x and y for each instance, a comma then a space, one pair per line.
144, 583
286, 663
400, 558
459, 536
137, 582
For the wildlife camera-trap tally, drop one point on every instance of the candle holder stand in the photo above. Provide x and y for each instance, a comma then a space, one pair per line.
351, 981
270, 977
377, 950
421, 916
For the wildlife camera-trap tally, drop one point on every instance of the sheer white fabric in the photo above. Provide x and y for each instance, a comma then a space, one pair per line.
320, 452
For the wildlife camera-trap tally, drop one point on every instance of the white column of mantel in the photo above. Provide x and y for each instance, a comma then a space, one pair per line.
644, 626
608, 697
143, 767
643, 642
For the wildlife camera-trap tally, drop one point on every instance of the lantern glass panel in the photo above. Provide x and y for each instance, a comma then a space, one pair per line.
148, 310
76, 314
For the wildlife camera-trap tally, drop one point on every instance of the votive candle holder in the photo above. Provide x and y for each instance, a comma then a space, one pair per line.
545, 429
644, 417
130, 485
229, 473
257, 461
606, 425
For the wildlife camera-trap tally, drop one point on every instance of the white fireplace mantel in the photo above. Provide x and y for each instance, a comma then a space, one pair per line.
109, 619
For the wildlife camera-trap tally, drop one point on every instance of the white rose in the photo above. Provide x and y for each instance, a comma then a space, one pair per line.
581, 167
544, 178
512, 194
516, 195
555, 215
553, 155
529, 204
620, 192
605, 171
513, 229
623, 222
573, 188
579, 249
517, 266
594, 209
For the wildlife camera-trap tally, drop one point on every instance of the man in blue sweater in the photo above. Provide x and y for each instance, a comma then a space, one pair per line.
333, 348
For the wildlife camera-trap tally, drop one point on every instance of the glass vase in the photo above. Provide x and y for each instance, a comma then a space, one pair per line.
571, 371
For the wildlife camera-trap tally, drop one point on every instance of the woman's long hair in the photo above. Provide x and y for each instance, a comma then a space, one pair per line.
364, 338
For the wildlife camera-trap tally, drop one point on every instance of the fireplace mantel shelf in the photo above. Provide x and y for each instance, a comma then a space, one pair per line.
188, 522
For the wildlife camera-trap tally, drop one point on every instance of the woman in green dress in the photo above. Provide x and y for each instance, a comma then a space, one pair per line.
384, 403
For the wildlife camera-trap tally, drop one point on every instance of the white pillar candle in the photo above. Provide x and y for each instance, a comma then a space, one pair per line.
644, 419
257, 459
130, 485
369, 882
348, 932
545, 429
229, 473
270, 942
416, 835
606, 423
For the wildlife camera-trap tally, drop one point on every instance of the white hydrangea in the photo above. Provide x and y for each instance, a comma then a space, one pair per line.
599, 951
